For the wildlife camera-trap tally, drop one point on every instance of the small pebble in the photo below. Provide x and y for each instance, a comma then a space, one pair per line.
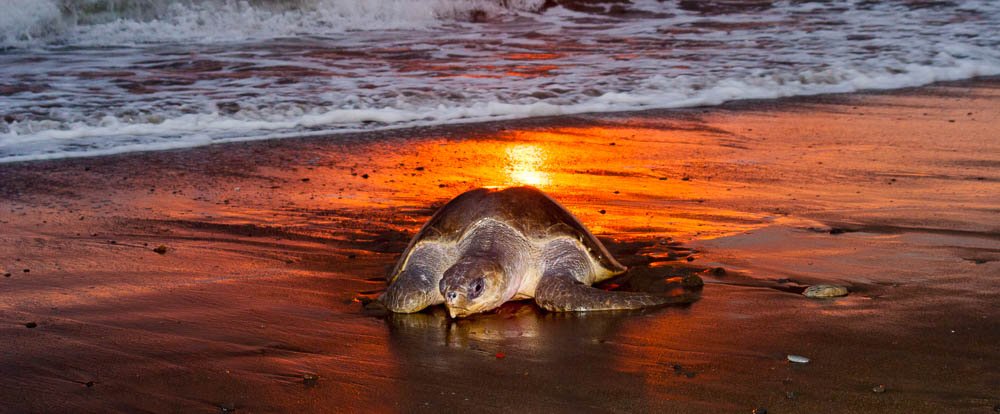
692, 281
719, 272
878, 389
690, 258
760, 410
799, 359
27, 270
310, 379
31, 325
161, 249
825, 291
7, 274
365, 176
602, 211
89, 384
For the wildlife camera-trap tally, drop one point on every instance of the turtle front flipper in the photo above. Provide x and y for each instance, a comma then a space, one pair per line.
566, 294
416, 285
564, 285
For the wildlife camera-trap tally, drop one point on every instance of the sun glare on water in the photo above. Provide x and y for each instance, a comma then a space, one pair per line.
524, 164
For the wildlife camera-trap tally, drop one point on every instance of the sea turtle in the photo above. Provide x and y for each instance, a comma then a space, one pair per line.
486, 247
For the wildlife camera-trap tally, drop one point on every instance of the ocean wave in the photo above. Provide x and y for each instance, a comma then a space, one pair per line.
33, 23
109, 76
113, 136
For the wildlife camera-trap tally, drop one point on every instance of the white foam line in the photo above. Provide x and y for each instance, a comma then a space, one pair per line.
496, 111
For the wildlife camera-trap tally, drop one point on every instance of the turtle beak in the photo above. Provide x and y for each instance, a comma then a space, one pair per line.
457, 312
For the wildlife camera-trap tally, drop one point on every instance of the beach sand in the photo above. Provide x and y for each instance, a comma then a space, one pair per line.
271, 246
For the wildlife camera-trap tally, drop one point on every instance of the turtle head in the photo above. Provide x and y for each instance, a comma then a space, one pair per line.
473, 285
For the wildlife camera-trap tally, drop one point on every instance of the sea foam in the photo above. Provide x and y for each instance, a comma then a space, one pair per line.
107, 80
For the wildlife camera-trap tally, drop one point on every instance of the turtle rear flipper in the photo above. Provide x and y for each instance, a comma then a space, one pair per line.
566, 294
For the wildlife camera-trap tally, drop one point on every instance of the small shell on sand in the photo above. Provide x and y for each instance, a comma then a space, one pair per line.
825, 291
799, 359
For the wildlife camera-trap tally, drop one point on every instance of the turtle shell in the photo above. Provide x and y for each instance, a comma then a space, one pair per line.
527, 209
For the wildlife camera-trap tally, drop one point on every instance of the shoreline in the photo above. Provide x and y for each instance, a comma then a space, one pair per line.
271, 245
548, 120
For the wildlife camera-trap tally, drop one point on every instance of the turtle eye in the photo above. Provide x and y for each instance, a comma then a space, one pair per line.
477, 288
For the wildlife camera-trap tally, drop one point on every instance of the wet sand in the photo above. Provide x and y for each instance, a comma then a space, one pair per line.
270, 248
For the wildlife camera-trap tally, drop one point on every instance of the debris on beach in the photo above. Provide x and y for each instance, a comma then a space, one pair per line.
310, 380
798, 359
825, 291
161, 249
692, 281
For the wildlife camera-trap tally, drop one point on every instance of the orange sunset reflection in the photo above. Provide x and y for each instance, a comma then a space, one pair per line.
627, 180
524, 165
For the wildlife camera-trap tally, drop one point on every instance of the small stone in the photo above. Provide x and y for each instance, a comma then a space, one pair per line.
798, 359
692, 281
310, 380
603, 211
718, 272
612, 144
685, 178
878, 389
227, 407
161, 249
825, 291
27, 270
365, 176
6, 274
690, 258
419, 168
760, 410
31, 325
305, 180
89, 384
836, 231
